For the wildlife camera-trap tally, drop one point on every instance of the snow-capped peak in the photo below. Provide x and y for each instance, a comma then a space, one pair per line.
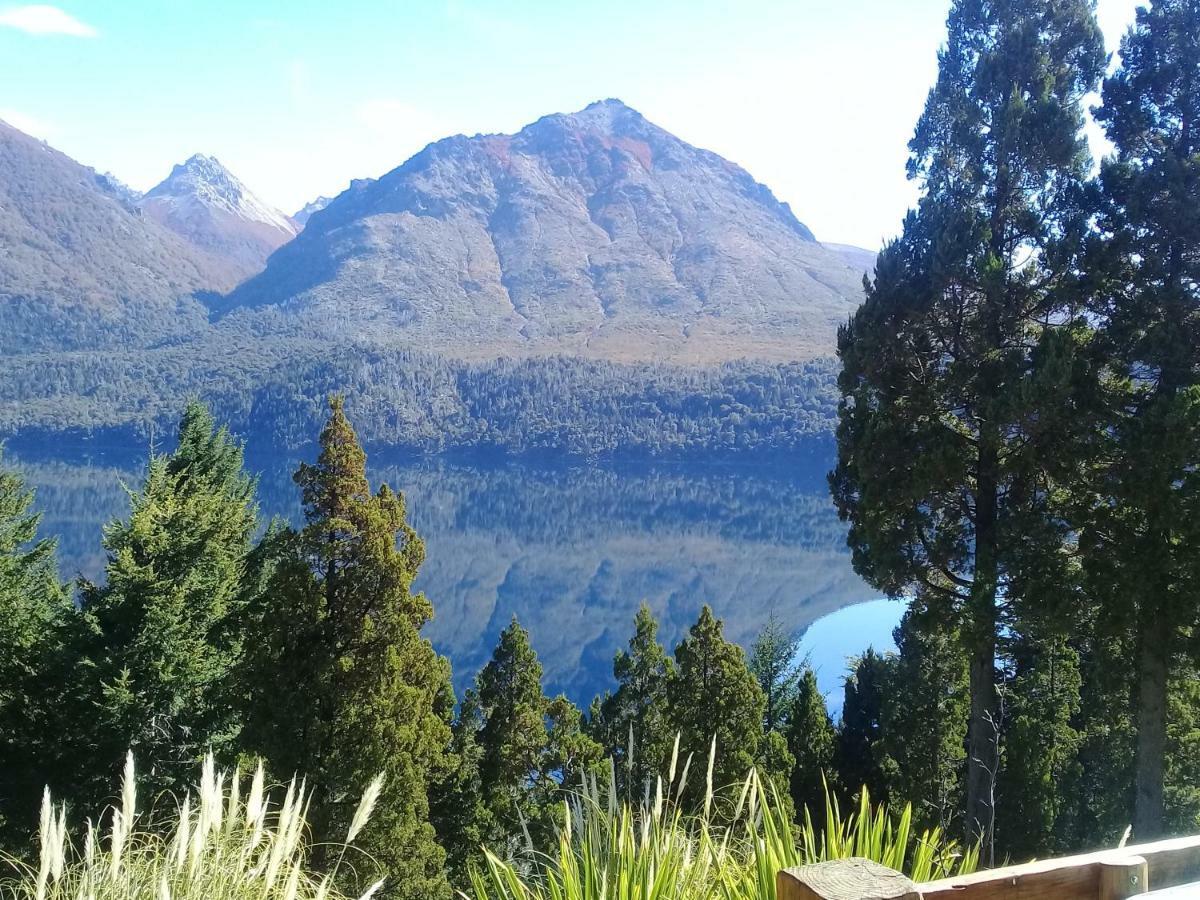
202, 179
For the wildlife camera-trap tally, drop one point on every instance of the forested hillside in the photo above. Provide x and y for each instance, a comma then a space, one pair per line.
274, 393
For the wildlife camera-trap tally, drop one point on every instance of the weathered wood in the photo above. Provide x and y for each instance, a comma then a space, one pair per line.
1121, 878
845, 879
1168, 863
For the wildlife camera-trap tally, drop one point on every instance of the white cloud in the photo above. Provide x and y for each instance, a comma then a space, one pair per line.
27, 124
42, 19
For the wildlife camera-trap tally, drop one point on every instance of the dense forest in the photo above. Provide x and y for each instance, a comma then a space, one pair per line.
424, 402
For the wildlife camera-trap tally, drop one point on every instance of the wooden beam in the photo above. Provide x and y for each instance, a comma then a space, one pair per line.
1121, 878
1168, 863
844, 879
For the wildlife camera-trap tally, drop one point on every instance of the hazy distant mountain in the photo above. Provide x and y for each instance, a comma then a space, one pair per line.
79, 265
203, 202
595, 233
302, 215
857, 257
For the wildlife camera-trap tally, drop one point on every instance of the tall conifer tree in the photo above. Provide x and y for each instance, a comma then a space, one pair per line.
340, 684
713, 695
633, 719
812, 742
160, 641
959, 369
33, 609
1146, 538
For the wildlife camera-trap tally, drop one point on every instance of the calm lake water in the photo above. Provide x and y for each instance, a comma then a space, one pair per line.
571, 550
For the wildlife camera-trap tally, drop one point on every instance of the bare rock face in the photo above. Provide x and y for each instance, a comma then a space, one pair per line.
595, 233
205, 204
79, 265
304, 213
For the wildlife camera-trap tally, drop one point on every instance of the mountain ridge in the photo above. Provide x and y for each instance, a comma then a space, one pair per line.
594, 233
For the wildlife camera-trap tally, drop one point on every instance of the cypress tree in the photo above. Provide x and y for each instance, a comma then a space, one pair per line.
812, 741
340, 685
960, 369
160, 643
862, 757
33, 609
1146, 540
712, 694
924, 717
634, 717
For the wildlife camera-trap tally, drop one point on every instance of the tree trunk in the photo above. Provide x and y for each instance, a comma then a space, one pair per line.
1153, 661
983, 731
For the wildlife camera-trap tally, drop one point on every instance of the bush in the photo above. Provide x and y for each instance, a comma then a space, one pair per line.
609, 849
220, 845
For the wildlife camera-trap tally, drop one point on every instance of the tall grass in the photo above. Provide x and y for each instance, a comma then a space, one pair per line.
221, 844
613, 850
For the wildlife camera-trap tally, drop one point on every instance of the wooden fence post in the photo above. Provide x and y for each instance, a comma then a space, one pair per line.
1123, 877
845, 879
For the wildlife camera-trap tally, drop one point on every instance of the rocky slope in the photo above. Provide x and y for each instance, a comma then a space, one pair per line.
595, 233
79, 265
204, 203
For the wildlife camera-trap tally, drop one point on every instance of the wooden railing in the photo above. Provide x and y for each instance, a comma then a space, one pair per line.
1107, 875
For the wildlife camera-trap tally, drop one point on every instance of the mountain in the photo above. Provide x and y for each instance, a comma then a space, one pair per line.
204, 203
857, 257
304, 213
80, 266
595, 233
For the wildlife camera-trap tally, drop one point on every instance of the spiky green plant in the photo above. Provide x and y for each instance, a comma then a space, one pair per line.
730, 851
221, 845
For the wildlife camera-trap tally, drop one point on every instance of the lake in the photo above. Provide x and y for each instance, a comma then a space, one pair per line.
570, 549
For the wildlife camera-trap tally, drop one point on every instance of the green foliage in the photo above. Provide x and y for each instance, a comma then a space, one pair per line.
959, 396
607, 847
773, 665
632, 723
713, 698
33, 609
862, 753
812, 742
925, 717
339, 682
1144, 544
158, 637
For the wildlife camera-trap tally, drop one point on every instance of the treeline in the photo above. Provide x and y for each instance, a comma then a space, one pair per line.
1019, 434
303, 646
272, 392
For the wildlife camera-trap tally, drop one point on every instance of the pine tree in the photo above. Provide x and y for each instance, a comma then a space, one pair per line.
634, 717
33, 609
862, 757
713, 695
1146, 538
773, 664
960, 370
340, 685
925, 717
160, 645
812, 742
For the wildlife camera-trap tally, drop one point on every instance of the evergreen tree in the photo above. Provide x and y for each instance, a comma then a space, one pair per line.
773, 664
812, 742
341, 686
862, 757
1041, 745
925, 717
160, 645
1146, 540
33, 609
712, 694
634, 717
960, 370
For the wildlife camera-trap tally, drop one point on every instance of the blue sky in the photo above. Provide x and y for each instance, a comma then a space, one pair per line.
815, 99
